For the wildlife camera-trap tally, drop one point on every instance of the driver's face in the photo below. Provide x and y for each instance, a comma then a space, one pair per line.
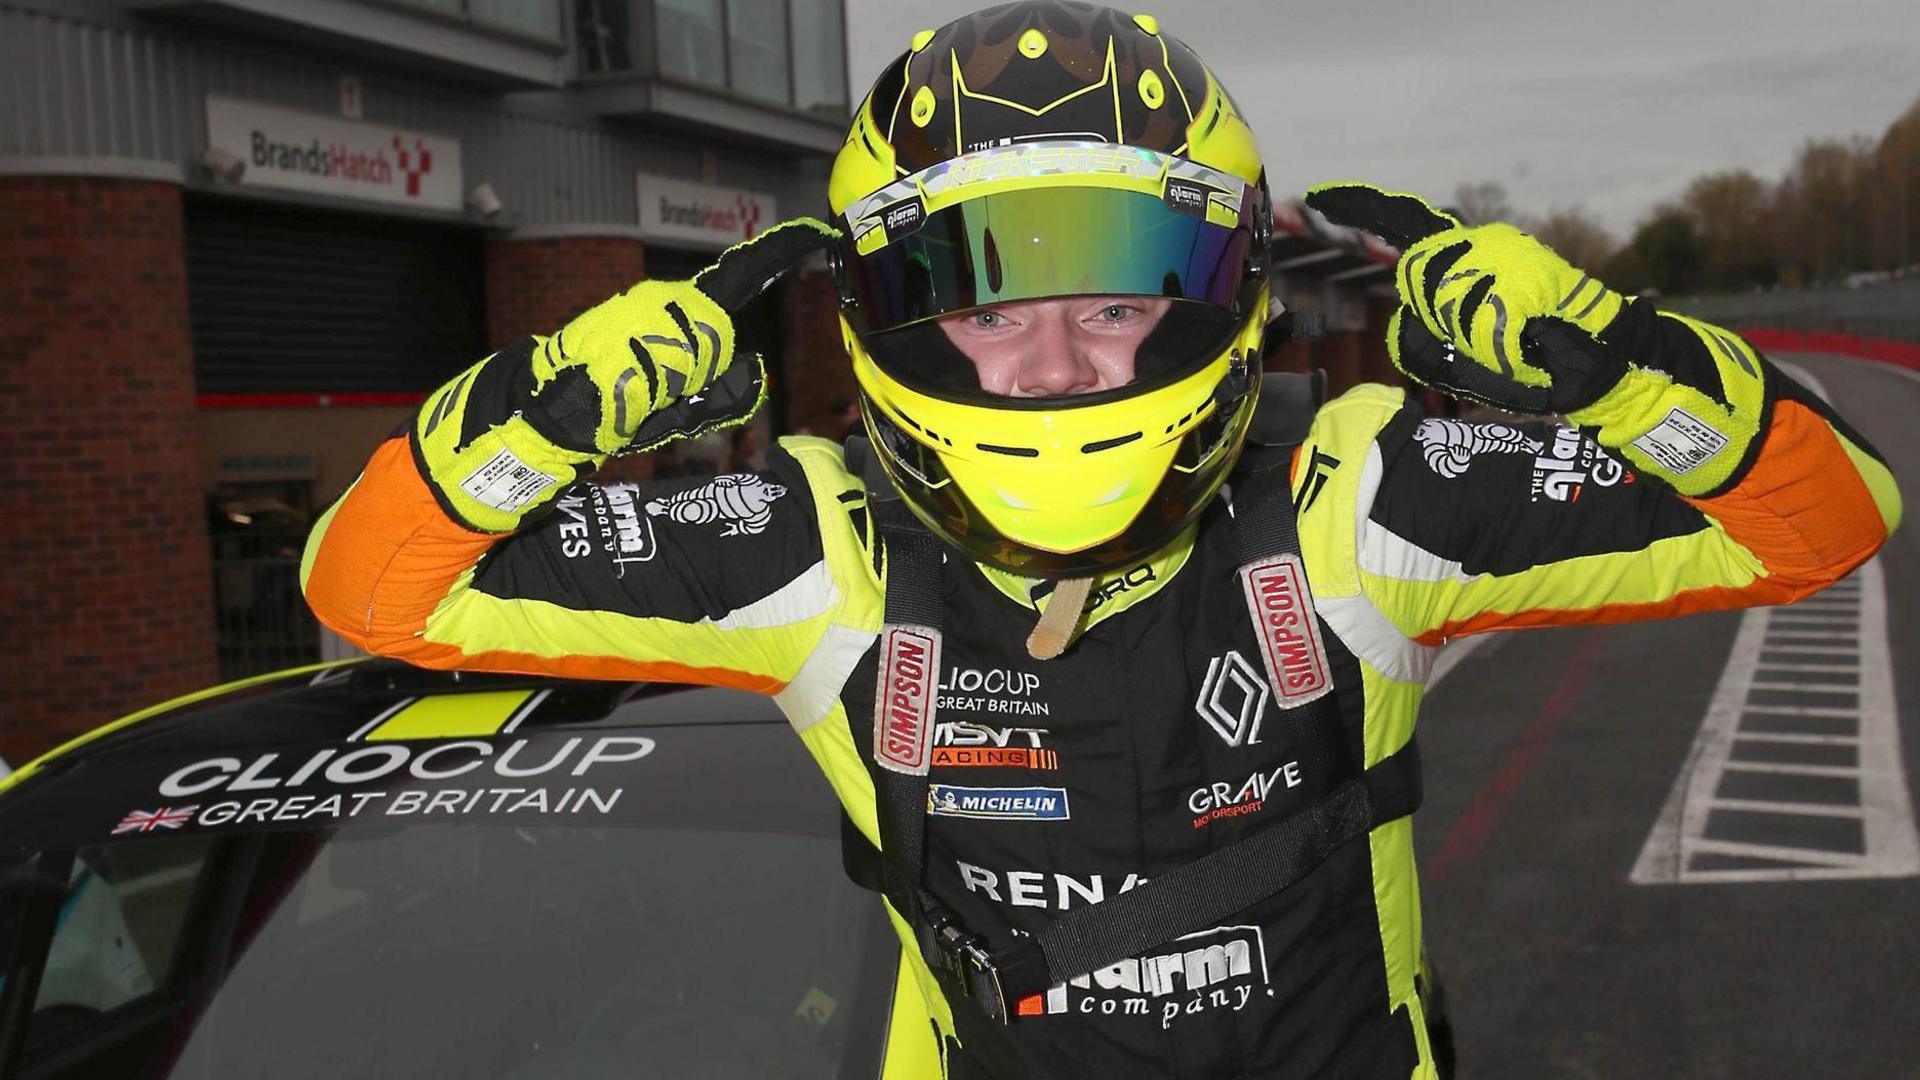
1042, 348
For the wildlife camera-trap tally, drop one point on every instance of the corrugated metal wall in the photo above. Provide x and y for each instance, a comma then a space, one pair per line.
72, 89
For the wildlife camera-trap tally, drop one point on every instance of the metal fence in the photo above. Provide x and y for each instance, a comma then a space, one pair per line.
1888, 309
262, 620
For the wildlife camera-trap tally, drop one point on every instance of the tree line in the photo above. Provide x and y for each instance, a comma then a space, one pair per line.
1845, 206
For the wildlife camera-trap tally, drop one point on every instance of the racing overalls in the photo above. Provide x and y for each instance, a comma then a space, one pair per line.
1156, 738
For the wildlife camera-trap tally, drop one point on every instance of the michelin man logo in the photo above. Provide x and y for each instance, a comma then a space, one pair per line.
742, 500
1450, 445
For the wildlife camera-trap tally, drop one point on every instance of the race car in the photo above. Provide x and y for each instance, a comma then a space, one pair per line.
365, 869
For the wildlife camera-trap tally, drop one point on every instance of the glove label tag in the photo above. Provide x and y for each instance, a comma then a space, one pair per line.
903, 704
1681, 443
506, 483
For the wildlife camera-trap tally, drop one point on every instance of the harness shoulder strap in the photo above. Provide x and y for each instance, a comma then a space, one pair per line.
1188, 898
904, 702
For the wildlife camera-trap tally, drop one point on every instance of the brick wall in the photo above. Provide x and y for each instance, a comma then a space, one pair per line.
817, 370
536, 286
106, 598
1348, 357
1375, 364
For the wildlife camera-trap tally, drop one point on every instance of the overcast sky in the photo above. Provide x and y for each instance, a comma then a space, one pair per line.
1611, 105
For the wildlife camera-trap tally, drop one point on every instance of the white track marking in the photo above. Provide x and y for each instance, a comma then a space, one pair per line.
1883, 807
1907, 372
1768, 851
1804, 376
1781, 769
1803, 740
1768, 806
1826, 650
1856, 361
1803, 710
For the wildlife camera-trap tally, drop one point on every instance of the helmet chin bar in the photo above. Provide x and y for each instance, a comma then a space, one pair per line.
1183, 491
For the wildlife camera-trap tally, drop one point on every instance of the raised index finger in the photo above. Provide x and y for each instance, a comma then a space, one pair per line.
1394, 216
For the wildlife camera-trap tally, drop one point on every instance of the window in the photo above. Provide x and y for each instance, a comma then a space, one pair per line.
118, 931
541, 18
493, 952
789, 53
819, 57
691, 45
757, 44
605, 28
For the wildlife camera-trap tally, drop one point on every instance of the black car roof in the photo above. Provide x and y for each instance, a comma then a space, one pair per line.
248, 742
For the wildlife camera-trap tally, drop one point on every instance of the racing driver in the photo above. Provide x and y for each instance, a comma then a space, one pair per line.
1116, 674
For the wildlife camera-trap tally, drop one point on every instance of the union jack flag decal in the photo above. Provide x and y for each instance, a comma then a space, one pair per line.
146, 821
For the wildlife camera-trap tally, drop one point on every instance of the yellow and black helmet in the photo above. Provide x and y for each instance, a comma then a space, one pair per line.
1049, 149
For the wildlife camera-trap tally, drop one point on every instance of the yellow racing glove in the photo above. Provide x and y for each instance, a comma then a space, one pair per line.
1490, 314
654, 363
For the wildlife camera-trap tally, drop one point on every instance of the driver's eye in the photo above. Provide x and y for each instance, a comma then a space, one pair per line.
987, 320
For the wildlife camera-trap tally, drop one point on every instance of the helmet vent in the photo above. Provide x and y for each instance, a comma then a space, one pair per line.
927, 431
1013, 451
1108, 444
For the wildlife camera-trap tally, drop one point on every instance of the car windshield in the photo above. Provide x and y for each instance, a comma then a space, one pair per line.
504, 950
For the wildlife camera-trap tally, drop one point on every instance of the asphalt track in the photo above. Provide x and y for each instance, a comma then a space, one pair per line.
1551, 756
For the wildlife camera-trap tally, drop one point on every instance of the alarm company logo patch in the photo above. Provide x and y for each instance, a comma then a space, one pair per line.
1221, 969
1002, 804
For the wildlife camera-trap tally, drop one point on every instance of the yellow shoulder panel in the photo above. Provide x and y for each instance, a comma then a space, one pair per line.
849, 552
1327, 478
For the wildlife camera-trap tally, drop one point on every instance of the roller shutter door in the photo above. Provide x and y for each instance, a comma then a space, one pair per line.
294, 300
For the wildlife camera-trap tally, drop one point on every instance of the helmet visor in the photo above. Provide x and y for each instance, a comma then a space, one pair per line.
1036, 243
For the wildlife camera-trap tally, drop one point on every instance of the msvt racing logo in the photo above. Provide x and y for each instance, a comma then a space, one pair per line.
963, 745
1006, 804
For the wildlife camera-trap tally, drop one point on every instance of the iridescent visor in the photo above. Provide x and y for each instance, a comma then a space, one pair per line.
1045, 242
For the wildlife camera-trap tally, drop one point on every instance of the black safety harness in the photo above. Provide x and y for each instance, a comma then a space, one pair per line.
1347, 804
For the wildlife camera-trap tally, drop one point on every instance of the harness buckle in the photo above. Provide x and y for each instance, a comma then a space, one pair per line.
964, 957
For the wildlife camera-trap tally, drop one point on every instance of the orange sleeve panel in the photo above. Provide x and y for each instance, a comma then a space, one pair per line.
1807, 508
674, 582
1488, 526
386, 556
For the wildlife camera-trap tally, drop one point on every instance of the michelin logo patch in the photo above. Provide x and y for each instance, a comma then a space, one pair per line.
742, 501
1007, 804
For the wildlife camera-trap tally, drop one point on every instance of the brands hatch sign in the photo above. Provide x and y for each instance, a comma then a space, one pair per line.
303, 151
701, 215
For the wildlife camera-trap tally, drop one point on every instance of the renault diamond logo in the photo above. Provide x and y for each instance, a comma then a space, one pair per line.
1233, 699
